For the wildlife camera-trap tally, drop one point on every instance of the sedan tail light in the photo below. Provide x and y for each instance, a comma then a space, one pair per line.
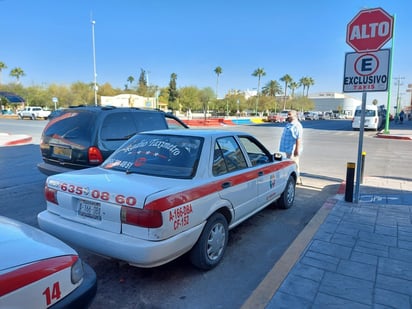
95, 156
50, 195
141, 217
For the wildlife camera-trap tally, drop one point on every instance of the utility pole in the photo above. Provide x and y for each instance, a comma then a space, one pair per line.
398, 84
94, 65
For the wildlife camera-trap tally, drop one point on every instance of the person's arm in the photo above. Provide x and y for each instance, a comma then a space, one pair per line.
297, 147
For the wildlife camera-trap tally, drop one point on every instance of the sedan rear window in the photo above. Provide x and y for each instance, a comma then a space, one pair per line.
157, 155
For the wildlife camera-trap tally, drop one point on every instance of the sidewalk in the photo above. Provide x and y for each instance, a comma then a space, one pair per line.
360, 255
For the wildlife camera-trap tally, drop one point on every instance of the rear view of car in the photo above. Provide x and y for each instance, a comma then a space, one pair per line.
373, 120
40, 271
84, 137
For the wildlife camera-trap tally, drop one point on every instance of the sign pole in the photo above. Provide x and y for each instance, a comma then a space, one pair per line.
360, 146
388, 104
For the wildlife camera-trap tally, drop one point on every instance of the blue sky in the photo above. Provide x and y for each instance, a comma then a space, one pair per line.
52, 41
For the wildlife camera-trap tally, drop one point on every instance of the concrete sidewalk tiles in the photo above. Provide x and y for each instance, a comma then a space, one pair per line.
360, 257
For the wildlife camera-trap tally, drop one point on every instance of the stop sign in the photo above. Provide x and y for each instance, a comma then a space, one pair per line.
369, 30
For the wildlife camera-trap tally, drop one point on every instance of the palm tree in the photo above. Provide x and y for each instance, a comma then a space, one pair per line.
287, 79
259, 72
272, 88
2, 67
303, 82
292, 86
17, 73
218, 71
130, 80
310, 82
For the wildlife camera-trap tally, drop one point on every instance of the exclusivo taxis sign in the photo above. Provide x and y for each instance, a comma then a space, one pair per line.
365, 72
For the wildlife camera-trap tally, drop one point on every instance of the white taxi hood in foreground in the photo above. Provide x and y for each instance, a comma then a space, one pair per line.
22, 244
109, 186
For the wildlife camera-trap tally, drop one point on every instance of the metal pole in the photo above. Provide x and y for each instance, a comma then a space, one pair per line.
388, 105
360, 145
94, 65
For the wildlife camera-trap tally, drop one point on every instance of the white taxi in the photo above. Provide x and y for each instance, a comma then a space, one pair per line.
165, 193
39, 271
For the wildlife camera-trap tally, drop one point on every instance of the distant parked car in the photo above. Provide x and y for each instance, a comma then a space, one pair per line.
311, 115
33, 112
165, 193
274, 117
39, 271
7, 112
82, 137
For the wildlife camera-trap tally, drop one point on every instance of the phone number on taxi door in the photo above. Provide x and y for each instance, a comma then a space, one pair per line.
180, 216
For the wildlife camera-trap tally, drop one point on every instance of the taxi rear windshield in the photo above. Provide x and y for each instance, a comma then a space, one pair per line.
169, 156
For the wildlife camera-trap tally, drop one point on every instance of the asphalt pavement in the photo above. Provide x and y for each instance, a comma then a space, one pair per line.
350, 255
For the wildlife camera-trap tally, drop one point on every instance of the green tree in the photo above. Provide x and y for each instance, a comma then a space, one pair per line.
271, 89
204, 97
310, 82
287, 79
218, 71
142, 84
2, 67
189, 98
17, 73
130, 81
173, 93
259, 72
306, 82
292, 86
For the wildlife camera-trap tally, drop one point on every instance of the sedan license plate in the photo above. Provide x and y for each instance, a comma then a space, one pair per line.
90, 209
62, 152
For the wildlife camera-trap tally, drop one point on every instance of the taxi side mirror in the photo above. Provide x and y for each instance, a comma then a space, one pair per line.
277, 156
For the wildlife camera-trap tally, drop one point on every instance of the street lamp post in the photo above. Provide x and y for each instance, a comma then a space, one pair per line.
94, 65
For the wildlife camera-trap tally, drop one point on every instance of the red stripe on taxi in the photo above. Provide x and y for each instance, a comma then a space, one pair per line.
188, 196
28, 274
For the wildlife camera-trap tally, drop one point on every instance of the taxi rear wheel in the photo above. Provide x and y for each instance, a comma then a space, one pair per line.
211, 246
288, 196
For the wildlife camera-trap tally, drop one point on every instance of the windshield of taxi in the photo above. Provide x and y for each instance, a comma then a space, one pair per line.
171, 156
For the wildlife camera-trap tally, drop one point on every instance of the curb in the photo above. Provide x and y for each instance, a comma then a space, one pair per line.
12, 140
394, 136
265, 291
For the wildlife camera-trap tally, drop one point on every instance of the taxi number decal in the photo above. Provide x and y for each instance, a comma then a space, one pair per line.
52, 294
180, 216
97, 195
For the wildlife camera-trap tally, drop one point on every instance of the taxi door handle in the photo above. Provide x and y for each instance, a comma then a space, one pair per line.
261, 173
226, 185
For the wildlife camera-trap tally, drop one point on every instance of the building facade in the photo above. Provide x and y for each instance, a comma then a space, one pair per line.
333, 101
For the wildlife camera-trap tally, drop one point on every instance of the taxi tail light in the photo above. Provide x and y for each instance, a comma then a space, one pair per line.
141, 217
95, 156
51, 195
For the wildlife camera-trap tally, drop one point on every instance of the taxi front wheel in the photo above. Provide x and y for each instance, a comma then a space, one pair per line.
212, 243
288, 196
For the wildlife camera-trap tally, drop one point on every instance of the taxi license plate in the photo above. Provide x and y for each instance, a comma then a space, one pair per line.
62, 152
90, 209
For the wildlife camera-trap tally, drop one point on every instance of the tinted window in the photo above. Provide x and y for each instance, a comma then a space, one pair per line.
150, 121
117, 126
157, 155
73, 126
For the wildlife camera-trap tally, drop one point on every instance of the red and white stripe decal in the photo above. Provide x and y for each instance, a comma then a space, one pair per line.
28, 274
188, 196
